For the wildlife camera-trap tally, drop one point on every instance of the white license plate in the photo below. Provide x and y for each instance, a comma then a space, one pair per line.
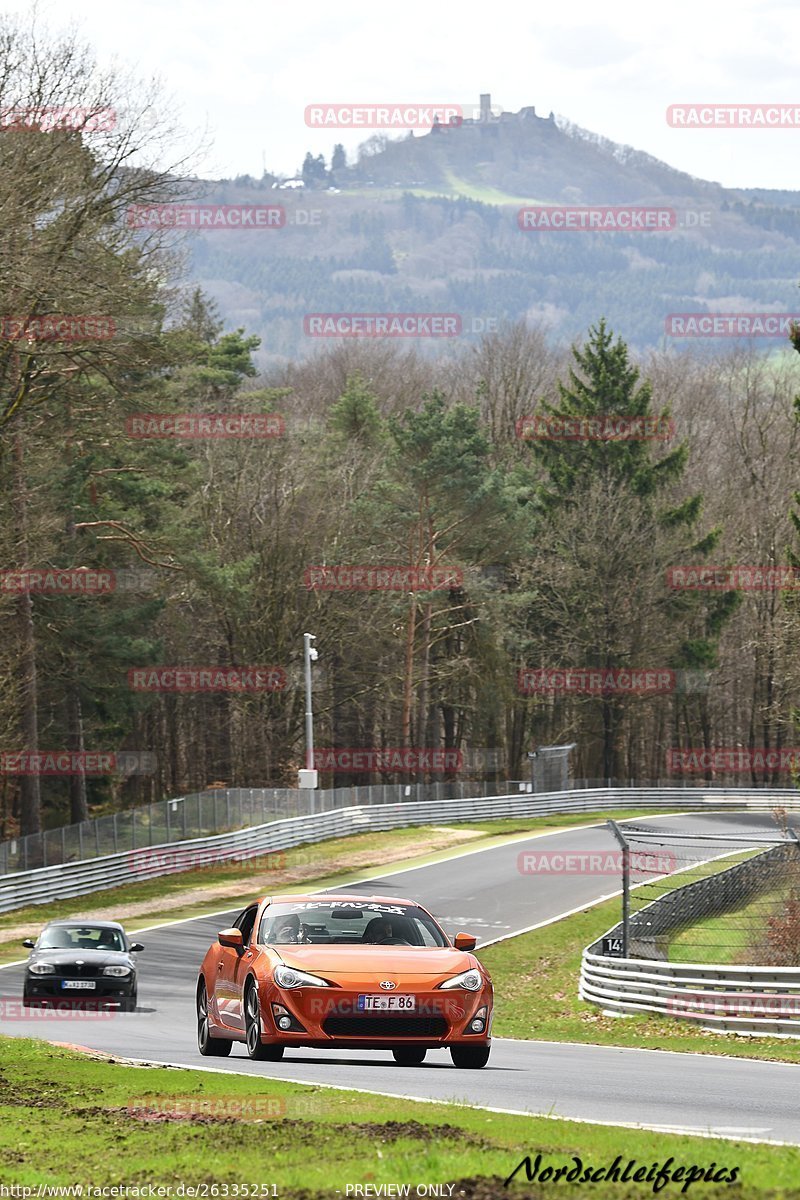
387, 1003
82, 985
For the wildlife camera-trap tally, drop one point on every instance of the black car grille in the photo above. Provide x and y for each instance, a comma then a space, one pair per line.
71, 970
386, 1027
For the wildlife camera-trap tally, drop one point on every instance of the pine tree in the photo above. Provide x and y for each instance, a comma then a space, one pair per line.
612, 521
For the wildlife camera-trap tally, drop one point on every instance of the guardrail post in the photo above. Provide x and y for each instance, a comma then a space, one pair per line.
626, 884
114, 827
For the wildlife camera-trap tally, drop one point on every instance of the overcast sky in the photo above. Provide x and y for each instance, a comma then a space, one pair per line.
245, 71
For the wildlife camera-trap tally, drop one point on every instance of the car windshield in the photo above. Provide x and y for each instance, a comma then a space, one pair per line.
348, 922
80, 937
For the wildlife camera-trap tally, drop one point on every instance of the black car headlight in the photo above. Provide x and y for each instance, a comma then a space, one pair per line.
42, 969
117, 972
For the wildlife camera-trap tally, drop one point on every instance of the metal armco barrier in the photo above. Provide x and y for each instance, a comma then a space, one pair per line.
762, 1000
743, 998
66, 880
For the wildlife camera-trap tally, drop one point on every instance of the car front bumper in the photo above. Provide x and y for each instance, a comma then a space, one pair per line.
50, 987
332, 1017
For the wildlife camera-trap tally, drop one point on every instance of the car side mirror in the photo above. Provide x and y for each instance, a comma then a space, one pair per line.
136, 947
232, 938
465, 941
29, 943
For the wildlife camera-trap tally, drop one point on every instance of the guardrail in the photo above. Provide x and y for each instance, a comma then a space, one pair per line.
216, 810
743, 998
67, 880
220, 810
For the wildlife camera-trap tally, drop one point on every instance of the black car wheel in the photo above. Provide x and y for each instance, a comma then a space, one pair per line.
409, 1056
252, 1027
128, 1003
209, 1047
470, 1057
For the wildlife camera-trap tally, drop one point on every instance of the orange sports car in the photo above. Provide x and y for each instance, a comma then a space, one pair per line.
343, 972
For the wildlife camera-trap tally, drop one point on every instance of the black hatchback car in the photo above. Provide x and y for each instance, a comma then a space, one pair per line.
90, 962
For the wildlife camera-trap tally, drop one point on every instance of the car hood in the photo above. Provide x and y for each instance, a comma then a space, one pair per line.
92, 958
376, 961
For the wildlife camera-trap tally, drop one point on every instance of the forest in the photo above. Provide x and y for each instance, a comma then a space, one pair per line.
173, 519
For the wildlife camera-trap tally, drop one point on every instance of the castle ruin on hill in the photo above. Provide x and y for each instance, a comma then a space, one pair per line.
487, 119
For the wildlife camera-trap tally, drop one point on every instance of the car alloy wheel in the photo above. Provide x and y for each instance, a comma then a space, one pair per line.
252, 1029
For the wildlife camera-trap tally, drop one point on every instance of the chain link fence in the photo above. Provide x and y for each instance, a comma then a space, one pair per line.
221, 810
214, 811
717, 899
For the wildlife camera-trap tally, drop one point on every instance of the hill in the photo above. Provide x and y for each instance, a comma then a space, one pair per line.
430, 224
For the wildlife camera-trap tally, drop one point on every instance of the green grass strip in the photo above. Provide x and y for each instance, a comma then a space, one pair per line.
68, 1119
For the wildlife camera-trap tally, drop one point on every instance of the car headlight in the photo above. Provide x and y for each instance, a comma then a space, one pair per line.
287, 977
470, 981
117, 972
42, 969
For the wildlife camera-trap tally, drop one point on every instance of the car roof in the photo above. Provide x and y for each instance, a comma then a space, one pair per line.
338, 897
85, 924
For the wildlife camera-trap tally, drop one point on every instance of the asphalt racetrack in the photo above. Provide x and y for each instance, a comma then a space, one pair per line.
481, 892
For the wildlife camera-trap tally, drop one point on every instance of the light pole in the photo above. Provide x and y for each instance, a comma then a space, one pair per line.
309, 777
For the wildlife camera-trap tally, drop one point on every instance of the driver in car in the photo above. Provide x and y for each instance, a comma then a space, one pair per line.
287, 929
378, 930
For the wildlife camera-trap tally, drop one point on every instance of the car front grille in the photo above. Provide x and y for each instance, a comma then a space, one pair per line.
385, 1027
71, 970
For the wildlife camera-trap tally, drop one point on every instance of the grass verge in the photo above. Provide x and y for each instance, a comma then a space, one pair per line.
733, 937
71, 1119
